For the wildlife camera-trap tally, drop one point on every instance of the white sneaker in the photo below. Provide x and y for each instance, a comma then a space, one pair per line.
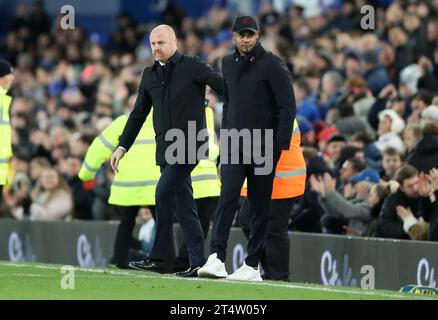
245, 273
213, 268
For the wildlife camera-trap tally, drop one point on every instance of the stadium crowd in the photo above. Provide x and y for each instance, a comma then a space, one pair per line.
367, 107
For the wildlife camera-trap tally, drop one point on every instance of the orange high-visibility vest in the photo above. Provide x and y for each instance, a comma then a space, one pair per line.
290, 174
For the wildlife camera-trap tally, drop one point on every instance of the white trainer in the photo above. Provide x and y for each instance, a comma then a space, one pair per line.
245, 273
213, 268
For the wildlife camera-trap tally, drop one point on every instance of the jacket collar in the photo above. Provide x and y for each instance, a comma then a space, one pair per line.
173, 60
254, 54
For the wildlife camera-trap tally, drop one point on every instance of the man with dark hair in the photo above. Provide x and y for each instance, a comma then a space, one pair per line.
375, 74
258, 95
424, 156
411, 196
351, 167
420, 101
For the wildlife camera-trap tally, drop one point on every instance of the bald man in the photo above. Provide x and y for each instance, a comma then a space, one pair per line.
175, 86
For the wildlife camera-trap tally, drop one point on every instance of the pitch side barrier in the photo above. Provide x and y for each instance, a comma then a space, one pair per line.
314, 258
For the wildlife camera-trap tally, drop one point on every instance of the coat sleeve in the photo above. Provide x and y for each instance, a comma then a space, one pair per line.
142, 107
280, 82
346, 208
389, 223
426, 208
225, 105
205, 74
101, 149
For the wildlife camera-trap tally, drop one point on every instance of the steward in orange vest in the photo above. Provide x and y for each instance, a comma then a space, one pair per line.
290, 173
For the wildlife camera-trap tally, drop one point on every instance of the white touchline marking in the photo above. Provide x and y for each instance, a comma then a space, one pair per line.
293, 286
6, 275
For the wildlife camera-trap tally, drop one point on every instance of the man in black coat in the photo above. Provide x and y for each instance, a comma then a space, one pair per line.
258, 95
412, 197
424, 156
175, 86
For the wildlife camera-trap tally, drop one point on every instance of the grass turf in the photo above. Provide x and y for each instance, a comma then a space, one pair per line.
43, 281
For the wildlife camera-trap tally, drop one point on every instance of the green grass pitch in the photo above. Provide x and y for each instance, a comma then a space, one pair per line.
43, 281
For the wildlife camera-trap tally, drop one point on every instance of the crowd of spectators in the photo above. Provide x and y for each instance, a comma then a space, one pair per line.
367, 107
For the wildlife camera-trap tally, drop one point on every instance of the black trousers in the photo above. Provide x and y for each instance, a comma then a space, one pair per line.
275, 256
433, 220
259, 197
205, 207
124, 239
174, 191
1, 195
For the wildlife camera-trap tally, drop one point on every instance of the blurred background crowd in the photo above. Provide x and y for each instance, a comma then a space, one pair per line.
367, 105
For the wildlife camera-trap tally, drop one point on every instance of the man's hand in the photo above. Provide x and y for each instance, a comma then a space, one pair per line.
329, 183
404, 213
424, 187
425, 65
317, 185
388, 91
349, 191
116, 157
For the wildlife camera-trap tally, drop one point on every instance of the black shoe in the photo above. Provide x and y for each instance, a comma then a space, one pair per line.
267, 277
115, 264
189, 273
149, 265
179, 267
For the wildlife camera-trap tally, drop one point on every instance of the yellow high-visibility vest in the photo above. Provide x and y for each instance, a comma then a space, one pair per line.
5, 136
136, 181
205, 177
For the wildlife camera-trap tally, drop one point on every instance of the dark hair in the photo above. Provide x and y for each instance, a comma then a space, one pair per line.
345, 109
303, 85
309, 152
430, 129
362, 136
392, 152
86, 138
356, 164
404, 173
424, 95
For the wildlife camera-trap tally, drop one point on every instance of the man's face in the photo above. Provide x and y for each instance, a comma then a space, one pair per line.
398, 106
245, 41
6, 81
73, 166
362, 189
163, 44
391, 164
309, 138
352, 67
410, 187
418, 105
346, 171
334, 149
